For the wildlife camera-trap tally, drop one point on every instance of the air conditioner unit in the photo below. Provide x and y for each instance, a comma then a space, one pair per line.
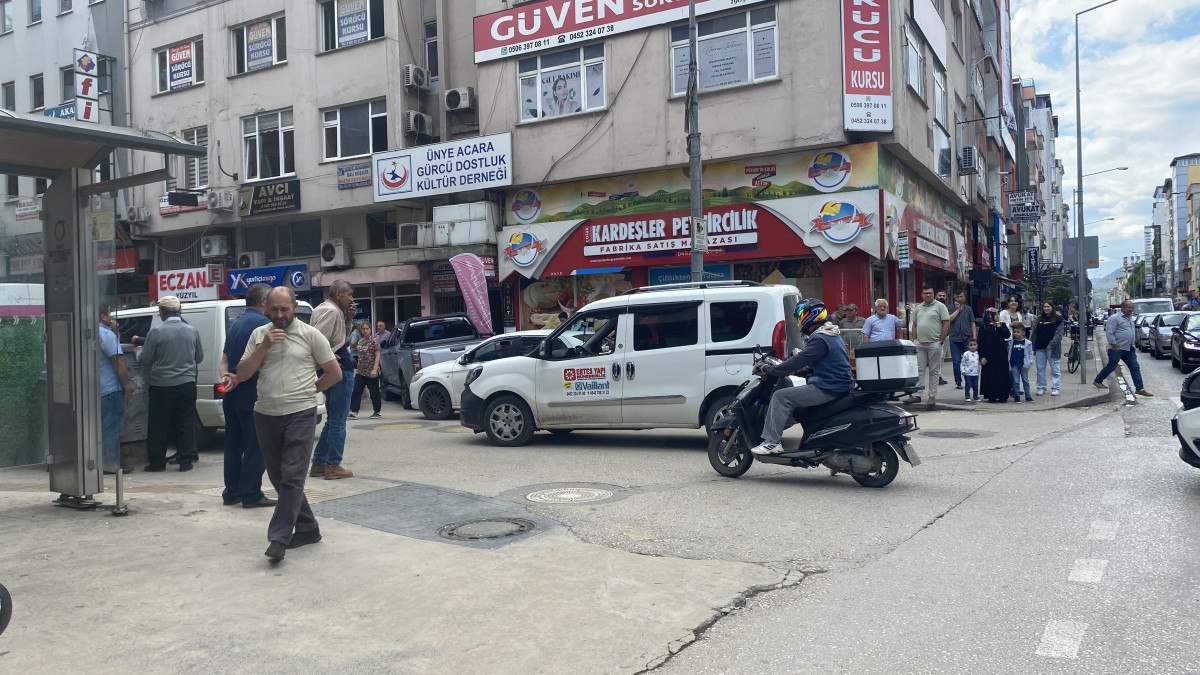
215, 246
462, 98
138, 214
416, 77
220, 200
335, 253
252, 259
968, 163
417, 124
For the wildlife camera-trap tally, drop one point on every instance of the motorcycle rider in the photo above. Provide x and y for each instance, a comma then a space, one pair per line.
825, 353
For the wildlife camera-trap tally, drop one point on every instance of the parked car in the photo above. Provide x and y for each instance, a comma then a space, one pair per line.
421, 342
1185, 425
654, 357
1160, 333
437, 389
1152, 305
1185, 343
1141, 336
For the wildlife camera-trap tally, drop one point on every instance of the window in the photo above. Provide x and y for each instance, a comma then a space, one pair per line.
9, 94
562, 83
12, 184
664, 327
68, 84
64, 6
37, 92
960, 129
956, 27
732, 49
941, 151
6, 17
35, 11
40, 185
259, 44
268, 147
195, 169
384, 232
180, 66
940, 102
355, 130
431, 49
104, 75
914, 61
585, 334
731, 321
285, 240
349, 22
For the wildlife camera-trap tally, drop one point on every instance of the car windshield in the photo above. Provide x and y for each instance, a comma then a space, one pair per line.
1172, 319
593, 333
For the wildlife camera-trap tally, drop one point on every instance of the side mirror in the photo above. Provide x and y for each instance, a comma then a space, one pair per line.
1176, 329
462, 360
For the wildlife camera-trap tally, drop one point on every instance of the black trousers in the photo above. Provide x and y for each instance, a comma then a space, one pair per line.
371, 383
287, 443
172, 413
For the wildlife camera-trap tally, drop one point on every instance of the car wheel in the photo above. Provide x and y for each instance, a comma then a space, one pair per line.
508, 422
434, 402
405, 397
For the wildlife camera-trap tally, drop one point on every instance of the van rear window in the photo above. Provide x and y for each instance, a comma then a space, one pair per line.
731, 321
439, 330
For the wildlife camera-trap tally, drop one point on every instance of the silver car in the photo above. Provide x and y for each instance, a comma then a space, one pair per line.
1141, 337
1160, 332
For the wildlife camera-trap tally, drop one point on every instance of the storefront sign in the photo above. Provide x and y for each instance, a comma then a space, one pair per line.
29, 209
550, 24
259, 46
354, 175
1023, 206
65, 111
1033, 262
442, 276
442, 168
932, 239
187, 285
867, 65
904, 259
116, 261
352, 22
291, 276
269, 198
179, 63
26, 264
737, 227
683, 275
165, 208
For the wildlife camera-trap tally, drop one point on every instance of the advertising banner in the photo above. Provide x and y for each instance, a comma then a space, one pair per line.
180, 66
351, 176
87, 111
270, 198
352, 22
472, 281
29, 209
259, 46
867, 65
550, 24
188, 284
66, 111
87, 86
442, 168
1023, 206
292, 276
166, 208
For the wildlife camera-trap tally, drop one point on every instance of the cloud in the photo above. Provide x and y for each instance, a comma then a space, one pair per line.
1139, 95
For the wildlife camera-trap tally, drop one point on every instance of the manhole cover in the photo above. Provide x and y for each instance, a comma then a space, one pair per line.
950, 434
571, 495
490, 528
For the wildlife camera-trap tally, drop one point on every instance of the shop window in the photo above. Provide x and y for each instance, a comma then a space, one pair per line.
268, 146
68, 83
37, 92
259, 44
345, 23
562, 83
731, 321
179, 66
733, 49
8, 96
355, 130
914, 61
665, 327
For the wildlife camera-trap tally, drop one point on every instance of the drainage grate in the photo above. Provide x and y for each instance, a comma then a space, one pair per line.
488, 528
572, 495
950, 434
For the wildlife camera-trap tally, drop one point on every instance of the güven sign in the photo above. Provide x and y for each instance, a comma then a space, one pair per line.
866, 65
537, 26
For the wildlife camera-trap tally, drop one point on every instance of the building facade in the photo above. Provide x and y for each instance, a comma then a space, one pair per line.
1185, 171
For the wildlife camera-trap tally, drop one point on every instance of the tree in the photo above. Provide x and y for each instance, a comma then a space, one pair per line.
1060, 291
1136, 283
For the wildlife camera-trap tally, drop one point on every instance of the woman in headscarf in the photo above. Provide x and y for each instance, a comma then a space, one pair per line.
994, 379
1047, 347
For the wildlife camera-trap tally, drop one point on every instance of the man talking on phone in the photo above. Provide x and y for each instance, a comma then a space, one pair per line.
286, 354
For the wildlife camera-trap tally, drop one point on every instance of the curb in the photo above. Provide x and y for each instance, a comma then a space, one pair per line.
1082, 402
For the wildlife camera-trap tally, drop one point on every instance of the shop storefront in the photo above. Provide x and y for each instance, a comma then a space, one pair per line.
810, 219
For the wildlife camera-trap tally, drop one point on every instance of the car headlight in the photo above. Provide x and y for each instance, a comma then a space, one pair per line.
417, 375
474, 375
1191, 345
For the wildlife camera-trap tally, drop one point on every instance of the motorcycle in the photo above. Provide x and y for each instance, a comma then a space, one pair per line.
860, 434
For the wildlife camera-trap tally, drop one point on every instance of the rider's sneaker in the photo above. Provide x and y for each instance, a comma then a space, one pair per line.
767, 449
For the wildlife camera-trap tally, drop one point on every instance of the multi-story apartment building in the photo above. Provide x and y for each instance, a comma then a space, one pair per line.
1039, 169
1165, 282
37, 75
849, 196
1185, 171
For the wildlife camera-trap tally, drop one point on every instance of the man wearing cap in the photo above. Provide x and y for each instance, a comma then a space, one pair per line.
172, 354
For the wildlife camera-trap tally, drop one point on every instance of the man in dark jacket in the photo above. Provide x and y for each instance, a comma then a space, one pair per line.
173, 353
831, 378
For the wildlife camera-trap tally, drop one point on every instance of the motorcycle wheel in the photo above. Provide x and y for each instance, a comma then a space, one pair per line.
729, 455
888, 467
5, 608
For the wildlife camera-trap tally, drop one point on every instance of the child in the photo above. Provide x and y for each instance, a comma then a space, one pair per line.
970, 369
1020, 357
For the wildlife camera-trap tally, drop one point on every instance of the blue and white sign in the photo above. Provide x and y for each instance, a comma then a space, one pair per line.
65, 111
292, 276
683, 275
352, 22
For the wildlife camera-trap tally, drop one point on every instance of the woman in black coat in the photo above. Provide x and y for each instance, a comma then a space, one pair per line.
994, 380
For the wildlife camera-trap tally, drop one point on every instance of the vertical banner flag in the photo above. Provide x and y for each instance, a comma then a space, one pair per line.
867, 65
472, 281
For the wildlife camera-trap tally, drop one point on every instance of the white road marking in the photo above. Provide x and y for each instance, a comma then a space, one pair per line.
1061, 639
1088, 571
1104, 530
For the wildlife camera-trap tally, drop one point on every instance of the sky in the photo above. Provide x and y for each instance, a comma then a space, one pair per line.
1140, 82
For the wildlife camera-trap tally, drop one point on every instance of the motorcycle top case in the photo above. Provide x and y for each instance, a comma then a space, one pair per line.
887, 365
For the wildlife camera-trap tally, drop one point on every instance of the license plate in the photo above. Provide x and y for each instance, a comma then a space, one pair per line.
913, 459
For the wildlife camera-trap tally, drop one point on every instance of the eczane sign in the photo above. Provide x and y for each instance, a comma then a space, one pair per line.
867, 65
187, 285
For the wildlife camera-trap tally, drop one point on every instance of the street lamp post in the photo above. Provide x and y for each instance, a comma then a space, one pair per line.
699, 229
1079, 202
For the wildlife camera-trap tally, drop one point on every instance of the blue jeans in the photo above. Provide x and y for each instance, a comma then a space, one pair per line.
1020, 376
956, 351
332, 443
972, 385
112, 418
1043, 356
243, 457
1129, 356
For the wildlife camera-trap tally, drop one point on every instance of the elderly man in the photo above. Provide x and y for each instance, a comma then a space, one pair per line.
930, 324
288, 353
881, 325
332, 319
173, 352
851, 327
1119, 332
381, 332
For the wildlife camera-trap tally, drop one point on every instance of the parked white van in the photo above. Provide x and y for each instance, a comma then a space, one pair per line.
212, 319
654, 357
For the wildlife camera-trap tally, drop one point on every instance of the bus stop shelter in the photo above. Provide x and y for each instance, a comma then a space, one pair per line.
68, 153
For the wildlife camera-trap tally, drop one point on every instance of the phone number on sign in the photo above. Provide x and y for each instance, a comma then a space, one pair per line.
589, 33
